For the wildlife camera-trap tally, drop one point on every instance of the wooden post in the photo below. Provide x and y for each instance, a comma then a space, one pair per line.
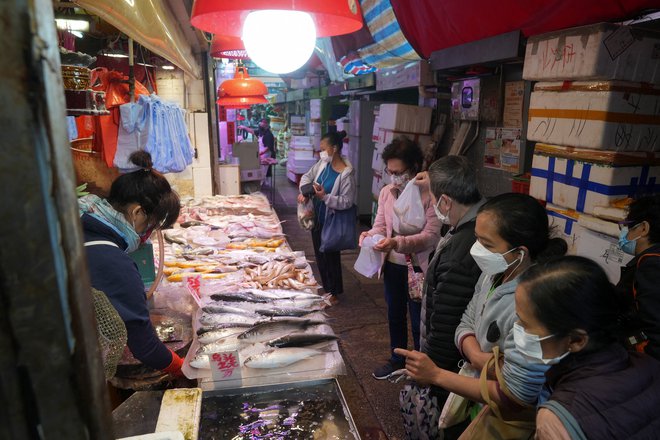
51, 378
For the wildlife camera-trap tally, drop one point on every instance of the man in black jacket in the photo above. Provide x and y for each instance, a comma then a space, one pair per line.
452, 273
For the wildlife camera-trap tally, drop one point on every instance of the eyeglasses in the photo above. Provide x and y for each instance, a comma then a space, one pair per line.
626, 224
392, 173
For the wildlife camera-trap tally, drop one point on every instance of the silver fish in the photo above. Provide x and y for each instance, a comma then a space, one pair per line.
201, 362
216, 335
267, 330
208, 319
221, 326
171, 238
291, 311
238, 296
212, 308
281, 357
231, 343
301, 340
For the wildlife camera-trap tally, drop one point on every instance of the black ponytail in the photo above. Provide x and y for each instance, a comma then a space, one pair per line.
148, 188
572, 293
336, 139
522, 221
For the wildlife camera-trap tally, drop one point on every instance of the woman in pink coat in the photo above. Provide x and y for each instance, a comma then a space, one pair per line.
403, 160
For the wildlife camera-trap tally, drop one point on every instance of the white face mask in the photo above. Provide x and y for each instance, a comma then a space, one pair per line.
489, 262
530, 346
442, 217
400, 180
325, 157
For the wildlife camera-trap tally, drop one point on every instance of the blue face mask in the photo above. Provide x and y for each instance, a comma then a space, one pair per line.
627, 246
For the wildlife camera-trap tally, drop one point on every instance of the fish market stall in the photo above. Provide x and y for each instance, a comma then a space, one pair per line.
256, 315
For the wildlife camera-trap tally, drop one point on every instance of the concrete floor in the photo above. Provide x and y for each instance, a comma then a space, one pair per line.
360, 320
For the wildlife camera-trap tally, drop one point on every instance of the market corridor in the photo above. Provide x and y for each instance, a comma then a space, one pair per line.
359, 320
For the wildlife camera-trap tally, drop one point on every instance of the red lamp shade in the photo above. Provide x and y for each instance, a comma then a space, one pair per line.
226, 46
241, 101
332, 17
242, 86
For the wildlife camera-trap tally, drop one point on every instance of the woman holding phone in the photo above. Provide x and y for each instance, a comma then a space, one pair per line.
330, 183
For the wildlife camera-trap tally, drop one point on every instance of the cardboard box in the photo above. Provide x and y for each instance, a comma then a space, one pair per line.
385, 137
600, 51
609, 115
405, 118
585, 179
603, 249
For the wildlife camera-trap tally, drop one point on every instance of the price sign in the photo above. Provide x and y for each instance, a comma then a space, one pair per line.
194, 283
225, 366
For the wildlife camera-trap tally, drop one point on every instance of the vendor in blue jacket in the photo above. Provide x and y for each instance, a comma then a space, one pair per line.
139, 202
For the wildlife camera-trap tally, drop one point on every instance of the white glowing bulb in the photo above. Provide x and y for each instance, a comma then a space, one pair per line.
279, 41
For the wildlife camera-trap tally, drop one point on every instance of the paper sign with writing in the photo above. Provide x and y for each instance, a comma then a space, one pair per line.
194, 284
225, 366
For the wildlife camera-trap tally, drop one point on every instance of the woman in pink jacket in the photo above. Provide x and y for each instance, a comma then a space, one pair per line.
403, 160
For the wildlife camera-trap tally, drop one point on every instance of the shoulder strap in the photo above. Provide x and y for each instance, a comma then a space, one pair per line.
100, 243
572, 426
639, 260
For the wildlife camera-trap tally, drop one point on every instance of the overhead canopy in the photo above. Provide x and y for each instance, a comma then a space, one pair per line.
431, 25
152, 24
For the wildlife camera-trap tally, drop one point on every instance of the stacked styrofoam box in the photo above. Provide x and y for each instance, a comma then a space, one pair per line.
597, 118
315, 109
301, 154
298, 125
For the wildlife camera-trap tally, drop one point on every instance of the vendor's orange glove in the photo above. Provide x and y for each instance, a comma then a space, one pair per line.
174, 368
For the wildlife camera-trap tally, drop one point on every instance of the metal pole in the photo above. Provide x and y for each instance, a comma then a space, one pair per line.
131, 70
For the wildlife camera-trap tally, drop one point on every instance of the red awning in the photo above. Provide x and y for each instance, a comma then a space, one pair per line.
431, 25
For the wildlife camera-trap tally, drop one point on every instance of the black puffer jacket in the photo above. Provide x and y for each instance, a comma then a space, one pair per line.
450, 279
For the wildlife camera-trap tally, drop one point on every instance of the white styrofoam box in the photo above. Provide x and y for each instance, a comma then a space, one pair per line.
202, 181
300, 141
612, 213
387, 136
229, 180
413, 74
603, 249
199, 136
600, 51
301, 153
377, 163
582, 179
292, 176
599, 225
314, 128
406, 118
315, 108
300, 165
316, 142
376, 130
252, 175
297, 119
609, 115
563, 223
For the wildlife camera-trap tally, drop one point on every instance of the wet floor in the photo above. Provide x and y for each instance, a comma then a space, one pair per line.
360, 320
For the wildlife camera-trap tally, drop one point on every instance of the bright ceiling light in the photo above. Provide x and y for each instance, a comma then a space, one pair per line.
77, 34
167, 67
283, 51
67, 24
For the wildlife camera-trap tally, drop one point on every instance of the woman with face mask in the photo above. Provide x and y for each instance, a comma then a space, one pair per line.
403, 160
139, 202
333, 180
568, 317
640, 279
512, 233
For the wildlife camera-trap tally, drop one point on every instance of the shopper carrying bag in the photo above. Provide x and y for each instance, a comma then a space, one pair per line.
330, 185
409, 240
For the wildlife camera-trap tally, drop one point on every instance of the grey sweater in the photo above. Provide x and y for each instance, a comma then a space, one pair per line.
344, 190
490, 319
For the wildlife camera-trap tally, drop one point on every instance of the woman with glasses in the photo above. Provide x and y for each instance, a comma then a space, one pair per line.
403, 160
640, 278
139, 202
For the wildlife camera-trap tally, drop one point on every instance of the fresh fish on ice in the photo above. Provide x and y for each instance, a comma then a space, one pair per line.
301, 340
222, 326
230, 343
201, 362
266, 330
291, 311
238, 296
212, 308
281, 357
208, 319
216, 335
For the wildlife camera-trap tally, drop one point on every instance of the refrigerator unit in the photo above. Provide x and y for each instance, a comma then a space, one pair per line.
360, 151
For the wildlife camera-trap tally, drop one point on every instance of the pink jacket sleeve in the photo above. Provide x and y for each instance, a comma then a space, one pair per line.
380, 226
427, 239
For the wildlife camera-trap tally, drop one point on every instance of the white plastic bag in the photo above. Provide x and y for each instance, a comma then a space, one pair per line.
409, 216
369, 261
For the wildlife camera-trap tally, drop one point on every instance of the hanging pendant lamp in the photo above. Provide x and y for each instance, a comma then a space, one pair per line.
243, 101
226, 46
331, 17
299, 23
242, 90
